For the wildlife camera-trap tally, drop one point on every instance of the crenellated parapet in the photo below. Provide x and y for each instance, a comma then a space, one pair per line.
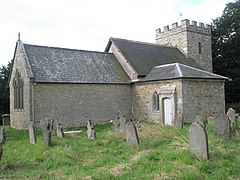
185, 26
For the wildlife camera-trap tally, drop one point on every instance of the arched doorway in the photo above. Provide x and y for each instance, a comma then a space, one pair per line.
167, 111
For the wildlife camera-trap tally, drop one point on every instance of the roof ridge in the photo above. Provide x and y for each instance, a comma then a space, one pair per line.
90, 51
141, 42
179, 69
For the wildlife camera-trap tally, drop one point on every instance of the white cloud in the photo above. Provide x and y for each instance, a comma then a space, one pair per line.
82, 24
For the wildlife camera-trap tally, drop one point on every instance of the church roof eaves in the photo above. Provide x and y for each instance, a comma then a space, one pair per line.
61, 65
179, 71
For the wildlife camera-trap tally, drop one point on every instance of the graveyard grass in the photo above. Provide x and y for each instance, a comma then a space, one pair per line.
162, 154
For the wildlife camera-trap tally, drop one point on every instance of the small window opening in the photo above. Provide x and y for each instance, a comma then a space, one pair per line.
155, 102
200, 48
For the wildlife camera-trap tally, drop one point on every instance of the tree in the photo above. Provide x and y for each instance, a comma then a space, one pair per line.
4, 95
226, 49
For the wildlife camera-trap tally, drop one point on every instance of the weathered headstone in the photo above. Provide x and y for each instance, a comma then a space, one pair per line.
47, 132
32, 133
178, 120
90, 132
137, 125
122, 120
197, 139
60, 132
116, 124
210, 120
2, 141
2, 135
131, 134
222, 126
232, 115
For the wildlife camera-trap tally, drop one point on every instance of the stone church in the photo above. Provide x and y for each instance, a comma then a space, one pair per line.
169, 82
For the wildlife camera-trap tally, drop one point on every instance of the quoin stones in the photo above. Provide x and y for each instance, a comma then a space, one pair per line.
32, 133
197, 139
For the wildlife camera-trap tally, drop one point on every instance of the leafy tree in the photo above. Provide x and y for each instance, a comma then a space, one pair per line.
4, 95
226, 49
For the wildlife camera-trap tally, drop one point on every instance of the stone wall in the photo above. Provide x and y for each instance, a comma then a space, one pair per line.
75, 104
186, 38
203, 97
20, 117
143, 98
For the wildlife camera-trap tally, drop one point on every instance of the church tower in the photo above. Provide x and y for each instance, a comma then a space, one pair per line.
192, 39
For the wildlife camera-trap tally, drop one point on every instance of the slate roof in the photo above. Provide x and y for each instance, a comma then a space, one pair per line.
145, 56
176, 71
59, 65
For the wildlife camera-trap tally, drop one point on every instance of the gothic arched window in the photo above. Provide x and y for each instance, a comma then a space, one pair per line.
18, 91
155, 102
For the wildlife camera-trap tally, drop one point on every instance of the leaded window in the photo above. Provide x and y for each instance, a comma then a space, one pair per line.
155, 101
18, 91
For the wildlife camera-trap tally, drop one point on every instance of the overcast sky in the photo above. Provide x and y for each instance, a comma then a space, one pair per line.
88, 24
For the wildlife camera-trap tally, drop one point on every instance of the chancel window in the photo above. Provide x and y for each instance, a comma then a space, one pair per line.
18, 91
155, 102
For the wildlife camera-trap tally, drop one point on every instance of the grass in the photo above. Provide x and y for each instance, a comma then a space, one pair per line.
162, 154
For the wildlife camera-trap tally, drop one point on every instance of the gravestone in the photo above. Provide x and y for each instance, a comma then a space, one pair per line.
178, 120
137, 125
116, 124
32, 133
131, 134
122, 120
197, 139
2, 141
60, 132
47, 131
222, 126
232, 115
210, 120
90, 132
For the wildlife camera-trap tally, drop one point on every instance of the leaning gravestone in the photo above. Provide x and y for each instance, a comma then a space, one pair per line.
222, 126
231, 113
2, 141
197, 139
60, 132
90, 132
122, 120
32, 133
131, 134
47, 134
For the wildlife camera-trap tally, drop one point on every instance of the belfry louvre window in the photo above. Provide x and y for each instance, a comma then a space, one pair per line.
18, 91
155, 102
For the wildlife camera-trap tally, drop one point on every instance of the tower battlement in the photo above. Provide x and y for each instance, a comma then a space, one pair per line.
193, 39
185, 26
